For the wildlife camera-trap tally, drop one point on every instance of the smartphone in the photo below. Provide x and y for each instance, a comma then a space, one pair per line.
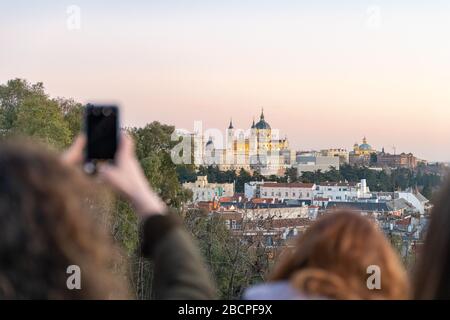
102, 128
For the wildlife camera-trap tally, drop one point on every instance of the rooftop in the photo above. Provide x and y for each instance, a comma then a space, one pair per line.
288, 185
338, 184
362, 206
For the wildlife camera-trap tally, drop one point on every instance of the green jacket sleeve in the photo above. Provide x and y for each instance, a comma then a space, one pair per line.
179, 271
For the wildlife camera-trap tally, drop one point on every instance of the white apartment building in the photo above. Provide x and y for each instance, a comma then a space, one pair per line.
202, 190
343, 191
251, 189
278, 213
287, 191
414, 198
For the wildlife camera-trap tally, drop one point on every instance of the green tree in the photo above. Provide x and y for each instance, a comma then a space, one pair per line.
186, 173
153, 148
39, 117
291, 174
243, 178
427, 191
235, 264
12, 95
73, 115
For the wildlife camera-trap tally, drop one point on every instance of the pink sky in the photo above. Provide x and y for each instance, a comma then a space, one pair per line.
326, 78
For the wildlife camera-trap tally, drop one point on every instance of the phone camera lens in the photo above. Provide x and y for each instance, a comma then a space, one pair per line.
89, 167
107, 112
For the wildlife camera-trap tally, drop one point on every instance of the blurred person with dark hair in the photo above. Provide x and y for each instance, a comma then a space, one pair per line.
46, 226
331, 260
432, 276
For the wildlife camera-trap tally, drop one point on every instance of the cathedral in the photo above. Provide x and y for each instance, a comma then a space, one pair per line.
363, 149
361, 154
257, 148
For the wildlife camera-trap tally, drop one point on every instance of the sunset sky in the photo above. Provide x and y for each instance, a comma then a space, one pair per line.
327, 74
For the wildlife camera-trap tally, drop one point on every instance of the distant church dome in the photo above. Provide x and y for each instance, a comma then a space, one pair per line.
262, 124
365, 145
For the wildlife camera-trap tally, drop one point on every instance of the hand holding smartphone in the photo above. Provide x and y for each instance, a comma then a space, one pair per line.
101, 125
111, 154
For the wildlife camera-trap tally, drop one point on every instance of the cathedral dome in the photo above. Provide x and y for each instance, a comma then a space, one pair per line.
262, 124
365, 145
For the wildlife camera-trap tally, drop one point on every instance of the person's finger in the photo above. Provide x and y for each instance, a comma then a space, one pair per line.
106, 171
109, 174
74, 155
126, 143
126, 147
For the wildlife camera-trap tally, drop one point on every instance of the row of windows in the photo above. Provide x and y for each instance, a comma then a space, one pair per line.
331, 189
286, 194
233, 224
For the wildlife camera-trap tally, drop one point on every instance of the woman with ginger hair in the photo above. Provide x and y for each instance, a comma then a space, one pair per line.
330, 261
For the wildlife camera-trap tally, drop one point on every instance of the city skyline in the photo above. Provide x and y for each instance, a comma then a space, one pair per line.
326, 74
221, 133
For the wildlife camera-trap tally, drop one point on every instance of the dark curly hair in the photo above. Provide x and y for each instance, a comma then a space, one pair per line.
46, 225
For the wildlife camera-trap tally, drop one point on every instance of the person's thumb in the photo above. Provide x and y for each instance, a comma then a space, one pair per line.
74, 155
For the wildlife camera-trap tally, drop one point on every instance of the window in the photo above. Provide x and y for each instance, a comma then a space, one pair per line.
293, 194
290, 234
287, 194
